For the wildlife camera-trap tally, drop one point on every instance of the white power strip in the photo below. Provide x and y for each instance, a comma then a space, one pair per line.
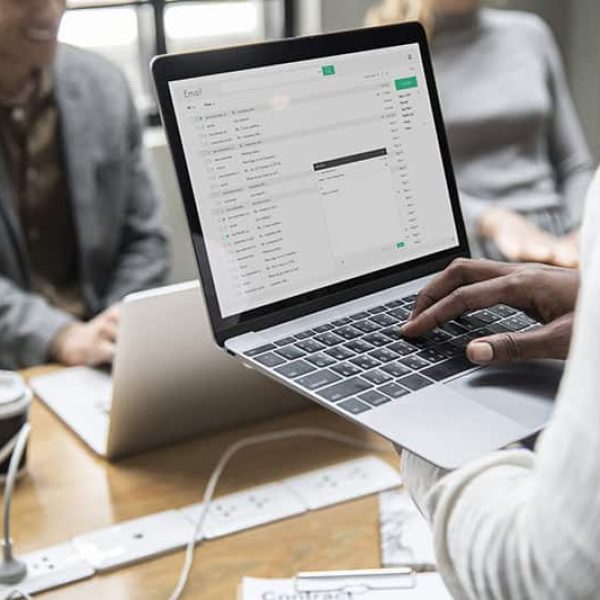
151, 536
51, 568
134, 541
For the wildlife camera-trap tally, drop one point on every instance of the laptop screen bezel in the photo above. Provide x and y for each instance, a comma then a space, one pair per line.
170, 68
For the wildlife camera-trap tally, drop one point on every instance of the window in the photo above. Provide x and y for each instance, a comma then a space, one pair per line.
130, 32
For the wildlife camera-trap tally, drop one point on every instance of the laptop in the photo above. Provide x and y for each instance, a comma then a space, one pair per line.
320, 197
168, 382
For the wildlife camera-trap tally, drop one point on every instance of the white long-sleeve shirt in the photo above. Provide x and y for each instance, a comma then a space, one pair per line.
526, 526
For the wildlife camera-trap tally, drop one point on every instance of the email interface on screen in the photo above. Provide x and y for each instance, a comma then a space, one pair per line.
312, 173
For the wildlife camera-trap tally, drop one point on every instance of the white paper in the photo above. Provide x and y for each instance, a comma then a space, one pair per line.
429, 587
405, 535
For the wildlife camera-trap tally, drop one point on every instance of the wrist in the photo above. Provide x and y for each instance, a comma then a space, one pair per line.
61, 348
489, 222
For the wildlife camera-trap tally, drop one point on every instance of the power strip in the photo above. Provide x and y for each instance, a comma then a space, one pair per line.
51, 568
157, 534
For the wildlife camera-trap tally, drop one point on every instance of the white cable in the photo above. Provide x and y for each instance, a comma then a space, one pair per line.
224, 460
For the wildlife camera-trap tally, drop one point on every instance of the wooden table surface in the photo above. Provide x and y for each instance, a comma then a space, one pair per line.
68, 491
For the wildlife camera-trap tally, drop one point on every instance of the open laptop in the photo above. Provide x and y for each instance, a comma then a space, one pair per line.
320, 197
168, 381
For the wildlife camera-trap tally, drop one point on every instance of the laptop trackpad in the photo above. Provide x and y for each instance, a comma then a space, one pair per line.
524, 392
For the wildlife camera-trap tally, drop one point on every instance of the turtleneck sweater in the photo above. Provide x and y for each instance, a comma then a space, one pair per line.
515, 138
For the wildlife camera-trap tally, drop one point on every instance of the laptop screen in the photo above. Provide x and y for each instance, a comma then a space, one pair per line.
313, 173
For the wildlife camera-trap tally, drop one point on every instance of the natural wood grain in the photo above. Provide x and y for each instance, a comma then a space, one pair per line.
68, 491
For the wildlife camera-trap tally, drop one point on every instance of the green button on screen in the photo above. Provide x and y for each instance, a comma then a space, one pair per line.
406, 83
328, 70
400, 245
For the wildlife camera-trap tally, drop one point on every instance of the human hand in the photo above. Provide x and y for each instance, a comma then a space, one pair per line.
567, 250
547, 294
517, 238
90, 344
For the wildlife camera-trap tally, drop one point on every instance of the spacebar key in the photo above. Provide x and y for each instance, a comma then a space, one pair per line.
449, 368
350, 387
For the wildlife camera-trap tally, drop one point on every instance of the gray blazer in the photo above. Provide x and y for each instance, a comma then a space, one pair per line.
122, 247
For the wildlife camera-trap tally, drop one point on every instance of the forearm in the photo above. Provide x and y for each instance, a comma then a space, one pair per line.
481, 554
28, 325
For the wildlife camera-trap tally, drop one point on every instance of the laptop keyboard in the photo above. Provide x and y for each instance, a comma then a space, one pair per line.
362, 361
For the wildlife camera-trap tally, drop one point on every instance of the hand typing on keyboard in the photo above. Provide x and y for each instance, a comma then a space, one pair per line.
546, 294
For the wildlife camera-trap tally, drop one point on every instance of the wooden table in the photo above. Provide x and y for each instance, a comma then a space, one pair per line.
68, 491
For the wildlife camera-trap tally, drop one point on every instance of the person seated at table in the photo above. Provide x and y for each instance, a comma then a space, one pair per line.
517, 524
79, 214
520, 157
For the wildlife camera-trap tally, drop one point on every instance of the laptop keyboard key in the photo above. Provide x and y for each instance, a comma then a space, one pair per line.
365, 362
437, 336
448, 368
295, 369
414, 382
339, 353
367, 326
324, 328
453, 328
260, 350
342, 322
432, 355
305, 334
469, 322
384, 355
517, 323
348, 332
377, 339
285, 341
396, 369
449, 350
290, 352
504, 311
359, 346
347, 369
486, 316
321, 360
421, 343
350, 387
360, 316
329, 339
384, 320
377, 309
377, 377
393, 390
414, 362
317, 380
400, 313
495, 328
402, 348
393, 333
394, 304
310, 346
269, 360
354, 406
374, 398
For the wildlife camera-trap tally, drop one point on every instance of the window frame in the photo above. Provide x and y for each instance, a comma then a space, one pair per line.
159, 41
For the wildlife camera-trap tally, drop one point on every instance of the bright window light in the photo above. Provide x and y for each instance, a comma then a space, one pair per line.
99, 28
212, 19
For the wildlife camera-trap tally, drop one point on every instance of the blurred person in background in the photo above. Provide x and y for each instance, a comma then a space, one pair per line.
520, 157
79, 214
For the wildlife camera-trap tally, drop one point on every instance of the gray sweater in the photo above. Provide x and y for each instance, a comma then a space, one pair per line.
514, 134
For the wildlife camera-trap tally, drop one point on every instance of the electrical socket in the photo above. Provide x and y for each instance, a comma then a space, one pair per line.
133, 541
244, 510
347, 481
50, 568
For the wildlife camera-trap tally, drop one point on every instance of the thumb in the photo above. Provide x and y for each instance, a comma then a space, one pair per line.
550, 341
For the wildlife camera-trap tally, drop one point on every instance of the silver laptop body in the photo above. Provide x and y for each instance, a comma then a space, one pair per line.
320, 197
169, 382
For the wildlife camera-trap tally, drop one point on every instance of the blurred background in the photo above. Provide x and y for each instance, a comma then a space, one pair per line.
131, 32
